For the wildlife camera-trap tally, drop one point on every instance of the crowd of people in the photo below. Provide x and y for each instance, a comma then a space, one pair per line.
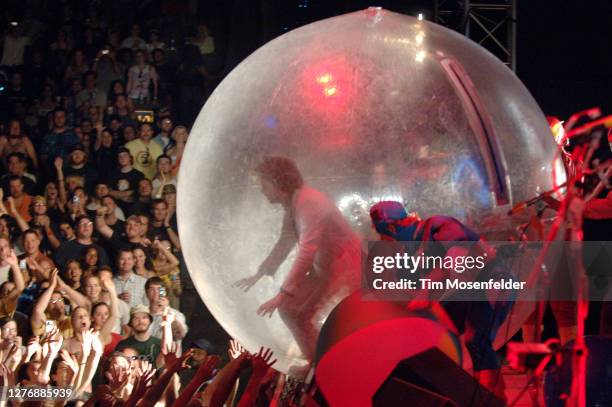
95, 114
94, 117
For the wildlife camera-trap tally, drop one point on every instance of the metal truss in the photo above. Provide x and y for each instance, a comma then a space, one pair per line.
490, 23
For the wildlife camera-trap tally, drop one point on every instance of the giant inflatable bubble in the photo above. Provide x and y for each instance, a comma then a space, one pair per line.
371, 106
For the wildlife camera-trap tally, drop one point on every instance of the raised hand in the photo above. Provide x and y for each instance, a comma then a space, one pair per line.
96, 343
207, 368
13, 357
11, 203
235, 349
33, 348
12, 258
260, 362
117, 377
101, 210
176, 363
86, 344
58, 163
167, 317
8, 375
72, 364
55, 341
53, 277
44, 221
141, 384
108, 285
143, 367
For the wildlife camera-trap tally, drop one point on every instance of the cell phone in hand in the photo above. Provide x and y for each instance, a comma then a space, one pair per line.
23, 264
162, 291
49, 325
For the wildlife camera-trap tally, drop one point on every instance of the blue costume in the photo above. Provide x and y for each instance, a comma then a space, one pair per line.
477, 320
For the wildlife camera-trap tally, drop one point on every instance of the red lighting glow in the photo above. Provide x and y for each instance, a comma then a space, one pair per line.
326, 93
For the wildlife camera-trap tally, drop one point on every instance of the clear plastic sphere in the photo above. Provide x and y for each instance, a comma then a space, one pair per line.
372, 106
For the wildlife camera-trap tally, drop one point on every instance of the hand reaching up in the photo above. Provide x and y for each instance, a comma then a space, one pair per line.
260, 361
33, 348
173, 362
69, 361
207, 368
235, 349
8, 376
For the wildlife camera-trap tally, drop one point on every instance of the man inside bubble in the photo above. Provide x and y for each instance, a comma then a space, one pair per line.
328, 260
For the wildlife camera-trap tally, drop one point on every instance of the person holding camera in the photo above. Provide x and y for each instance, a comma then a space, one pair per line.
159, 305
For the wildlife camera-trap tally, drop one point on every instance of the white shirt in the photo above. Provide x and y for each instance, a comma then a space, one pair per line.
156, 328
327, 245
4, 273
124, 317
135, 285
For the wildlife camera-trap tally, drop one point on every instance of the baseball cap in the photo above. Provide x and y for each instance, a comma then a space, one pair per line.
77, 147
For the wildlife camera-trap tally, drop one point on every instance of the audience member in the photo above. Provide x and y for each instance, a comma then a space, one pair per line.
130, 287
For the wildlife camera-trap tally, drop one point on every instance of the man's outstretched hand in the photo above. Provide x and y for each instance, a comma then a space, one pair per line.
268, 307
246, 283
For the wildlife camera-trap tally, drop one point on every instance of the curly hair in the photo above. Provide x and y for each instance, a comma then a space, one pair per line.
281, 172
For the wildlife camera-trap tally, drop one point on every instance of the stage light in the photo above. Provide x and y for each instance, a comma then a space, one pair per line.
420, 17
331, 91
324, 79
420, 37
420, 56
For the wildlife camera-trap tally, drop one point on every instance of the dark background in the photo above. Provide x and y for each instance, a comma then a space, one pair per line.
563, 47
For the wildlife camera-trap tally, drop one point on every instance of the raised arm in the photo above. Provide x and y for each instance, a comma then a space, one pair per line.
130, 82
38, 313
217, 393
61, 186
101, 225
166, 339
108, 326
174, 262
31, 152
155, 82
53, 344
261, 363
17, 279
173, 364
203, 374
172, 235
45, 222
89, 364
23, 225
73, 295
